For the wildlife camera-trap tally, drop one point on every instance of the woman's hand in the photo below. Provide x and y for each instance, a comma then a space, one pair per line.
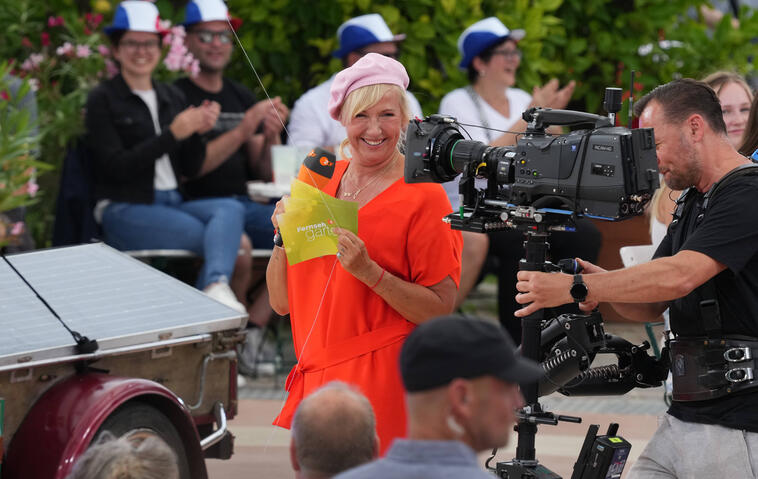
278, 210
551, 96
354, 258
195, 119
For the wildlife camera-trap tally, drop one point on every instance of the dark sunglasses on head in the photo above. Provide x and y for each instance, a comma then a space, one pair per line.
207, 36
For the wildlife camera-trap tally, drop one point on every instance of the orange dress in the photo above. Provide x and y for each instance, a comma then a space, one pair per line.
344, 331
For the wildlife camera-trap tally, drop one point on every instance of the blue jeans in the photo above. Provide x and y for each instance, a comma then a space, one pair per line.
211, 228
258, 222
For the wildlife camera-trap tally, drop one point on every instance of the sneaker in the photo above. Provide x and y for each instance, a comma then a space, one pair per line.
247, 352
222, 293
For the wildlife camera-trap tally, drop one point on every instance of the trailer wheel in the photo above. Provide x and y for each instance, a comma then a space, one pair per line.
138, 421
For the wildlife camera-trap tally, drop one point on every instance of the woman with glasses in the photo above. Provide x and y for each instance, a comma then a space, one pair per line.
491, 57
144, 141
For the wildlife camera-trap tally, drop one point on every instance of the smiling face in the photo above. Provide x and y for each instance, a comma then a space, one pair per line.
735, 104
211, 44
138, 53
373, 133
502, 65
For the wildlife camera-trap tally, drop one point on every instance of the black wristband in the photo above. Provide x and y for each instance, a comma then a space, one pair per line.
278, 239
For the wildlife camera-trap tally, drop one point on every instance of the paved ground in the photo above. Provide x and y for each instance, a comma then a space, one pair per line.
262, 450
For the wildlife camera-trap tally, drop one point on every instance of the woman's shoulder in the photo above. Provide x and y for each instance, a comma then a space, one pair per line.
455, 97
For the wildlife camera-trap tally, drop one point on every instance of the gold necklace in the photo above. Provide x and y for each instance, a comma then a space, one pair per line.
352, 196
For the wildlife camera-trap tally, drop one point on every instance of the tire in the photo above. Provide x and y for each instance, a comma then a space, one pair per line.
137, 419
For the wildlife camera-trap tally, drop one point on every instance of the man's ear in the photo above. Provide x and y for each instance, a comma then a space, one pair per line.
293, 456
696, 127
377, 443
460, 394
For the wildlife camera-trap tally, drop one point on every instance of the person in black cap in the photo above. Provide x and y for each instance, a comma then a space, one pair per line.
461, 378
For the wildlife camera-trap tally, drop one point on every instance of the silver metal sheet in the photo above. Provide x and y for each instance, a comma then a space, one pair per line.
104, 295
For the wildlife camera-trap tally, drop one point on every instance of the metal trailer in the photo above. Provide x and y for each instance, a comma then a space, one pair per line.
165, 364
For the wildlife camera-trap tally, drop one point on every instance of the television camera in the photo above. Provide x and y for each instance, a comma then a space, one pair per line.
543, 184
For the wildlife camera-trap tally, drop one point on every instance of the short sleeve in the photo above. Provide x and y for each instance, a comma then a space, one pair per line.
728, 232
434, 249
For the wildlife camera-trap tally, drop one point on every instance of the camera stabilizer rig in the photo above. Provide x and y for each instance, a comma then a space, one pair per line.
541, 185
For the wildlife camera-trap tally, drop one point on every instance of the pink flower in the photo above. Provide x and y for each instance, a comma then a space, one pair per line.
17, 229
194, 68
65, 50
44, 39
26, 42
164, 25
82, 51
4, 95
111, 68
55, 21
103, 50
32, 62
34, 84
32, 188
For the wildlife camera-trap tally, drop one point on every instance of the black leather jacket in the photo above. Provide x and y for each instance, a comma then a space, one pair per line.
124, 147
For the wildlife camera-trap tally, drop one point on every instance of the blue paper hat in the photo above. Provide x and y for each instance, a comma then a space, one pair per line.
358, 32
481, 35
208, 11
135, 16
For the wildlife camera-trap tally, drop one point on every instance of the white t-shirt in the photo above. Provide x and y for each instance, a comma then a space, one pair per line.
459, 104
165, 179
310, 124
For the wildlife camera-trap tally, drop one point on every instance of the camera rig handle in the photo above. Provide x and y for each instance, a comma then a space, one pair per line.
538, 119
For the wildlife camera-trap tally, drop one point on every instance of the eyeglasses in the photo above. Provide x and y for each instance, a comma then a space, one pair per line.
508, 54
207, 36
134, 45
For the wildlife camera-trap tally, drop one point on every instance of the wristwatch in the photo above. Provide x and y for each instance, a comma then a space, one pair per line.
278, 239
579, 289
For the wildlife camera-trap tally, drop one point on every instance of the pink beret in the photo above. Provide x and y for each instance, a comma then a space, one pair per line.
371, 69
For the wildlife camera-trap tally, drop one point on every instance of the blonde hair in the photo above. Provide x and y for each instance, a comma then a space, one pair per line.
363, 98
720, 79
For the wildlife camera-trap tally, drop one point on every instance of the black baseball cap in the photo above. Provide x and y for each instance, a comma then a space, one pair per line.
450, 347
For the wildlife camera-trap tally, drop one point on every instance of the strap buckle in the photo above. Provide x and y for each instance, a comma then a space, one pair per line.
739, 354
738, 375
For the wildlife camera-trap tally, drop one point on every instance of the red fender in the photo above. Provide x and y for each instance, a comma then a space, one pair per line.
61, 424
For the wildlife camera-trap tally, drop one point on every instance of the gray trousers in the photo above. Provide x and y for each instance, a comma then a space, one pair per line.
686, 450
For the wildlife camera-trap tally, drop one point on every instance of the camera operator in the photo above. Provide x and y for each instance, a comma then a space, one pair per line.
706, 271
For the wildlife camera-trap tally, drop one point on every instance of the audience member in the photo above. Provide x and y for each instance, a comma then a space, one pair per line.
750, 142
144, 140
350, 313
461, 378
123, 458
310, 124
491, 57
333, 430
735, 96
238, 149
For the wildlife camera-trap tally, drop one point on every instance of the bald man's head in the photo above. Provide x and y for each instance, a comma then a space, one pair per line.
333, 430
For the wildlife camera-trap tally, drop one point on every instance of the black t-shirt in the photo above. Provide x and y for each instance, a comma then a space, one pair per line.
728, 233
231, 176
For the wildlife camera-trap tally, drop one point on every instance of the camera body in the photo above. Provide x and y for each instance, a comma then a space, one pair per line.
605, 172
